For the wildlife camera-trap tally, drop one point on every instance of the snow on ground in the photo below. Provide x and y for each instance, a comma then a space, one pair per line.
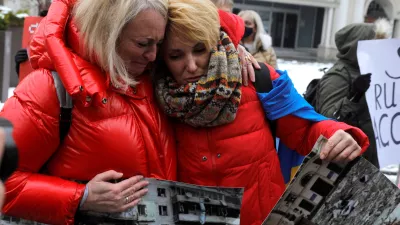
302, 73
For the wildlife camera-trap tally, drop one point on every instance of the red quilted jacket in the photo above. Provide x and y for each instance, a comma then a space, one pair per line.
242, 154
128, 133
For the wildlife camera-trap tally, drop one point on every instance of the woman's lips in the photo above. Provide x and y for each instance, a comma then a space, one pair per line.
194, 79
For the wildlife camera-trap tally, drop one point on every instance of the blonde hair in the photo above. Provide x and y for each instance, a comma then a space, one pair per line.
253, 15
221, 3
194, 20
100, 25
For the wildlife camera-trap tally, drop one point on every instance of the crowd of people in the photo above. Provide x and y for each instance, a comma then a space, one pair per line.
159, 90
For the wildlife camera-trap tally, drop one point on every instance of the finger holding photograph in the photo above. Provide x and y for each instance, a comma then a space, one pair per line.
340, 148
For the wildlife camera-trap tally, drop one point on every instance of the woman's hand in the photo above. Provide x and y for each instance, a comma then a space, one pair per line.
247, 61
340, 148
114, 197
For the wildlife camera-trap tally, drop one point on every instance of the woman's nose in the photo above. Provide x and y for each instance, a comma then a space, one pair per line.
191, 64
151, 53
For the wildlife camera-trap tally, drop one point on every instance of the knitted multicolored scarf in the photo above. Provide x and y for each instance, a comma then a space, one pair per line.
214, 99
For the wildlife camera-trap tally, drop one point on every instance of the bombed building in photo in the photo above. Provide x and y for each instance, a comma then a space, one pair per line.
169, 203
324, 193
309, 189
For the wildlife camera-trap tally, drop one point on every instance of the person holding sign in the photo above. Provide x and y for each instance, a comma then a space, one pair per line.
341, 91
222, 136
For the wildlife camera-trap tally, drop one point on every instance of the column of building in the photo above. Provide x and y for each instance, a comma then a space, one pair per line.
335, 19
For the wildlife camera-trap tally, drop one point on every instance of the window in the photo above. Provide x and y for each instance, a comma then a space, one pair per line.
163, 210
318, 161
306, 205
161, 192
181, 208
321, 187
305, 179
142, 210
335, 168
291, 198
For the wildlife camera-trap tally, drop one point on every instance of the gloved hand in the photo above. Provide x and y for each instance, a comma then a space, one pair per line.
359, 86
20, 57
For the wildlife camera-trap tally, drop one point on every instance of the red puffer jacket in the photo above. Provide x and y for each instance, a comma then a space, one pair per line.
128, 133
242, 154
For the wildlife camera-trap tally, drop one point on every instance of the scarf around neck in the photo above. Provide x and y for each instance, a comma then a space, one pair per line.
211, 101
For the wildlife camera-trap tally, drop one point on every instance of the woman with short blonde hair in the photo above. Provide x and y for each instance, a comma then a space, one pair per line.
222, 135
182, 17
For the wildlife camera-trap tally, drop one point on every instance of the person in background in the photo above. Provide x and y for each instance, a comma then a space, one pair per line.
224, 5
256, 40
223, 138
22, 54
227, 6
341, 91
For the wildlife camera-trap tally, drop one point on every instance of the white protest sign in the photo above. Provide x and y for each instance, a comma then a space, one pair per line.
381, 58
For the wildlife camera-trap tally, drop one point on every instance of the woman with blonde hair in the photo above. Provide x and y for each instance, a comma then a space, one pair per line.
116, 130
257, 41
222, 136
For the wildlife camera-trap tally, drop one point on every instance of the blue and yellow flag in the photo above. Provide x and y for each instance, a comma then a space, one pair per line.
281, 101
290, 162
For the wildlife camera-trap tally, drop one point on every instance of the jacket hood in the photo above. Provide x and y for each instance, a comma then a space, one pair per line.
264, 42
347, 40
233, 25
55, 46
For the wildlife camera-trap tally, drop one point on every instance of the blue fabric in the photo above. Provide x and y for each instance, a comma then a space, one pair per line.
281, 101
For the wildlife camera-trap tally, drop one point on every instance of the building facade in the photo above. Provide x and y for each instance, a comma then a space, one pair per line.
304, 25
173, 203
310, 25
318, 179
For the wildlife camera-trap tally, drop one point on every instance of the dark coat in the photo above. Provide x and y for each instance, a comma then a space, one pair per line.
335, 85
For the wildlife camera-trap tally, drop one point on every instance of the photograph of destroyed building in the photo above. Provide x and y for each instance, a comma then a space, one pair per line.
169, 203
330, 194
174, 203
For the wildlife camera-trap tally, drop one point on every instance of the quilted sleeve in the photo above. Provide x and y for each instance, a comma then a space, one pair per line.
301, 135
34, 113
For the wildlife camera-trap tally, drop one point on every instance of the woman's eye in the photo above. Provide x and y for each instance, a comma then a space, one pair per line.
199, 50
142, 44
174, 57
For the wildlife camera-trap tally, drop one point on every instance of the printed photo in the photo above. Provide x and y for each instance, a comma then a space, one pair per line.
330, 194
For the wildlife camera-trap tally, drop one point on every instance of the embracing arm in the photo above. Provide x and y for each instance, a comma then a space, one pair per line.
34, 113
